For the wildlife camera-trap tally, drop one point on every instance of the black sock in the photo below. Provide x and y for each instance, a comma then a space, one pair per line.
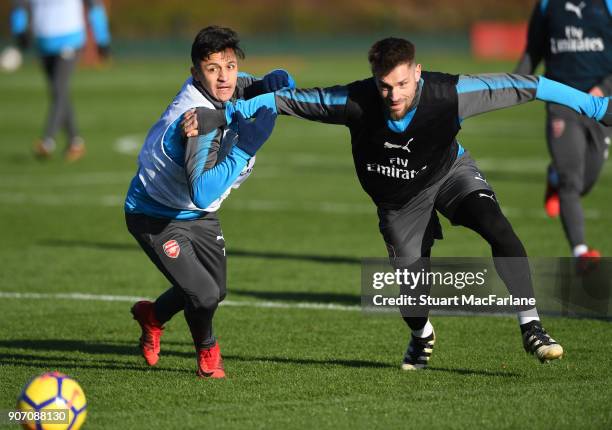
200, 325
208, 343
168, 304
415, 323
528, 326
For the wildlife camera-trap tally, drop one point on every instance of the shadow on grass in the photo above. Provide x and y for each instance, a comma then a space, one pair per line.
105, 246
333, 362
63, 363
80, 346
30, 360
286, 296
324, 259
123, 349
78, 362
472, 372
22, 158
270, 255
313, 361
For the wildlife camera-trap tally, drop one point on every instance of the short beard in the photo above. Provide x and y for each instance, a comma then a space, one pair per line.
395, 116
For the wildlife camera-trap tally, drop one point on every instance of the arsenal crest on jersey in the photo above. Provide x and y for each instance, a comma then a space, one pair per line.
558, 127
172, 248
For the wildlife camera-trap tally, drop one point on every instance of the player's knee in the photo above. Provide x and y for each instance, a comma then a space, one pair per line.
571, 183
499, 232
506, 235
407, 260
207, 300
586, 188
210, 303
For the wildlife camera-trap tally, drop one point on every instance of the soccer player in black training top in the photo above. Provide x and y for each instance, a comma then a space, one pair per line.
574, 38
403, 124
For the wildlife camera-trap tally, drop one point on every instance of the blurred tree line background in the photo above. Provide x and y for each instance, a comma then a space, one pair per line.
136, 19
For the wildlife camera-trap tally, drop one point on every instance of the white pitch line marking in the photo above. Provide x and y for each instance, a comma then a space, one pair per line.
116, 200
129, 144
63, 180
231, 303
131, 299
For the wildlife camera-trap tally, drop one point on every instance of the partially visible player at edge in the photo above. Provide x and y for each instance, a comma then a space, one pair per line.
403, 123
59, 32
172, 201
575, 41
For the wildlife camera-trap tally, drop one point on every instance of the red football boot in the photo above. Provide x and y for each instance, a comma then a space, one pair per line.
152, 330
591, 253
588, 261
551, 202
210, 363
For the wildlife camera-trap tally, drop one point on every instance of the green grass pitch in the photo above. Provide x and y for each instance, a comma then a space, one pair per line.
295, 233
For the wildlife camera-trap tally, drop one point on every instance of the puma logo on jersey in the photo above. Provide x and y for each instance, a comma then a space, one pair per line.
571, 7
404, 147
491, 196
480, 178
223, 239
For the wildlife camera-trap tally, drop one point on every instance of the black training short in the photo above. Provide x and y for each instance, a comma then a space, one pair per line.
409, 232
190, 254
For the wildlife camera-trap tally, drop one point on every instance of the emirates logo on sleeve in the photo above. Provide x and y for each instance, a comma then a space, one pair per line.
172, 248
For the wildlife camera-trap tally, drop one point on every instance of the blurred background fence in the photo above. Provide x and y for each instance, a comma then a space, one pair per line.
154, 27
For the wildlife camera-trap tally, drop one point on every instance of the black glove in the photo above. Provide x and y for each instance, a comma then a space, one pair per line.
253, 134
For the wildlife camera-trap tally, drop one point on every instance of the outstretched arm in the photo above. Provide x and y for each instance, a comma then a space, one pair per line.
483, 93
330, 105
249, 86
327, 105
536, 41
